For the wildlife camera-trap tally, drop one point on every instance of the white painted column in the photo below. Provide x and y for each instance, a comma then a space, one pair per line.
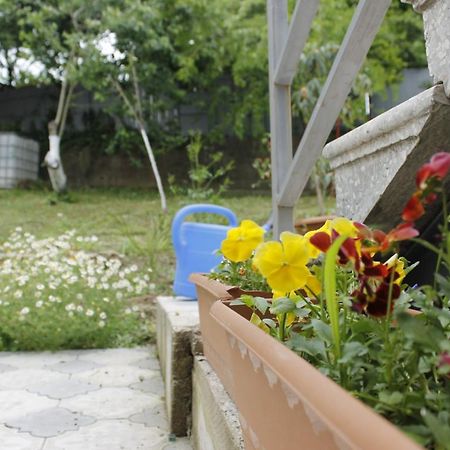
280, 114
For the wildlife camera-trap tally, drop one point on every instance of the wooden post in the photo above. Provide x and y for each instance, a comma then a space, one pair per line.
280, 115
365, 23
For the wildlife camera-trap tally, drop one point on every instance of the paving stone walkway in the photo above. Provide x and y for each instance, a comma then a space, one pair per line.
83, 400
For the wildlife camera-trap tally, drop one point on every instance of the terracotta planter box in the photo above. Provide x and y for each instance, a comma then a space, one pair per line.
215, 346
284, 402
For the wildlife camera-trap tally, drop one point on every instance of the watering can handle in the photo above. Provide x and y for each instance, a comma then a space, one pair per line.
196, 209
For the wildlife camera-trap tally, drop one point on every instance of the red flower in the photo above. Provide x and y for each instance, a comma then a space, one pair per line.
413, 209
321, 240
347, 250
372, 296
438, 167
378, 307
444, 359
402, 232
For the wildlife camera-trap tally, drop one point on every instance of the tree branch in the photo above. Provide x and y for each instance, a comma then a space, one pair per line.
137, 92
65, 111
126, 99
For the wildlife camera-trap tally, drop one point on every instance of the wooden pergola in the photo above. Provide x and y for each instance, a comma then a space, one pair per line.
286, 42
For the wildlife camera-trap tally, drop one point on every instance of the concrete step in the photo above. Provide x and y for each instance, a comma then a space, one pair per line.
196, 401
375, 164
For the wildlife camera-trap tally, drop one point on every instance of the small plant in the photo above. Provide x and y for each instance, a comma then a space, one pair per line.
262, 165
204, 174
55, 295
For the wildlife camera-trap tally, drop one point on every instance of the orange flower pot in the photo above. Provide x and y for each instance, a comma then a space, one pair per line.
285, 403
215, 346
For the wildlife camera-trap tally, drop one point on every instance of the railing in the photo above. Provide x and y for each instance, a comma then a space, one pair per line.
286, 42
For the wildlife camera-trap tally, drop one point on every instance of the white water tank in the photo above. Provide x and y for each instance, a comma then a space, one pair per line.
19, 159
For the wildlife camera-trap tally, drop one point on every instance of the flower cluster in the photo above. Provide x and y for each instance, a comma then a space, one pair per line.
293, 263
51, 286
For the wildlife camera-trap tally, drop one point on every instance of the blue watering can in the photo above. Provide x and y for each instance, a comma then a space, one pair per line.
196, 244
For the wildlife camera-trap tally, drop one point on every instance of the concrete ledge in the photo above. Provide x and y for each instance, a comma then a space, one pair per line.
375, 164
177, 328
215, 420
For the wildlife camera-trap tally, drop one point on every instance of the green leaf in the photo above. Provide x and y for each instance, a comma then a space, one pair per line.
261, 304
390, 398
282, 306
302, 313
270, 323
237, 302
322, 330
256, 320
444, 284
425, 365
415, 328
248, 300
312, 346
330, 292
418, 433
352, 350
441, 431
363, 325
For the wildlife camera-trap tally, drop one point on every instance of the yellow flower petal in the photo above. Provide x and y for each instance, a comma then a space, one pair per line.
242, 241
268, 257
314, 284
295, 248
344, 227
288, 278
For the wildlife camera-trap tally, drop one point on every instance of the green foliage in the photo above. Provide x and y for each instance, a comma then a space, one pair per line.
211, 55
262, 164
208, 174
240, 274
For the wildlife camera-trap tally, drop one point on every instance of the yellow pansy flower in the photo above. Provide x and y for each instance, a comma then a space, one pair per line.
313, 250
341, 225
314, 285
241, 241
344, 227
283, 264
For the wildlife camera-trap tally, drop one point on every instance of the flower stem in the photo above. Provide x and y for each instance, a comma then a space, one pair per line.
387, 343
282, 328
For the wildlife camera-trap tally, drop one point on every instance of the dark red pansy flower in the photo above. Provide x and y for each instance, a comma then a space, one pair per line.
348, 252
413, 209
378, 307
379, 271
321, 240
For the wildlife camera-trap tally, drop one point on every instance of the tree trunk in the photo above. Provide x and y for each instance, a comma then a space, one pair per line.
53, 162
154, 168
56, 127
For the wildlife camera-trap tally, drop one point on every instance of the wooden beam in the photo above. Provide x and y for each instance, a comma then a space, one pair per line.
280, 114
299, 28
358, 39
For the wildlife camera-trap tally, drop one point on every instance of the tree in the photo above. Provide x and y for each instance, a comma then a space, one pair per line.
399, 44
56, 32
149, 60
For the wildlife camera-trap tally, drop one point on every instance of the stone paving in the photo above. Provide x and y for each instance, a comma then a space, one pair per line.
84, 400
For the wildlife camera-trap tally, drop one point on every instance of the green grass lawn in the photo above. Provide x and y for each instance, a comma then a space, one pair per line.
128, 222
82, 274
